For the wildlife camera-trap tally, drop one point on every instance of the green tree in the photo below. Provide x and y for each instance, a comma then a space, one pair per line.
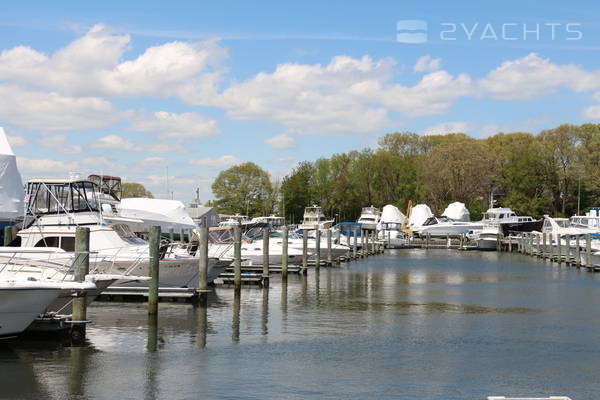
244, 188
296, 191
131, 189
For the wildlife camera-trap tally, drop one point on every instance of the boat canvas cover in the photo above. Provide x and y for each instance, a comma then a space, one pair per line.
391, 214
457, 211
168, 214
418, 215
11, 185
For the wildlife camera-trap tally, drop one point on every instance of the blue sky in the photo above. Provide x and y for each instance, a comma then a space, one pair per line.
134, 88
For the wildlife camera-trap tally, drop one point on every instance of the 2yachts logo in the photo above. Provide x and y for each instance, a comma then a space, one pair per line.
415, 31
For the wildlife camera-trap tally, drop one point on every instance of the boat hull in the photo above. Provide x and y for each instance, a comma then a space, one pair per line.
19, 307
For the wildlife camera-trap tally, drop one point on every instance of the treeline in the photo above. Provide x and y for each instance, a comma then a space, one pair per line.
533, 174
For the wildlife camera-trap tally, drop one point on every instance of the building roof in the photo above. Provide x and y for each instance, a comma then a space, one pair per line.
198, 212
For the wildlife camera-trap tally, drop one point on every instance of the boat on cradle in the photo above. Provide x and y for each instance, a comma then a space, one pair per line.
56, 207
501, 222
314, 218
418, 215
369, 217
390, 227
455, 221
22, 301
220, 244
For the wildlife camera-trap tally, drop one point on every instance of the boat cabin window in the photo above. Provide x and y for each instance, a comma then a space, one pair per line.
109, 185
430, 221
57, 198
66, 243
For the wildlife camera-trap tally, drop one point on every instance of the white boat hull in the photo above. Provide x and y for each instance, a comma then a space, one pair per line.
19, 307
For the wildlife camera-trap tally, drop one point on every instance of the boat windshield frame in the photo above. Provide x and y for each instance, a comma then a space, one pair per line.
50, 198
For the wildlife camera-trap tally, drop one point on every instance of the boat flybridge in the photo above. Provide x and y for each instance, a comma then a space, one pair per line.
314, 218
369, 217
55, 207
232, 220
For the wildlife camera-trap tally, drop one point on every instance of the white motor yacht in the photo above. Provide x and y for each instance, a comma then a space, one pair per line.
444, 226
369, 217
314, 218
56, 207
502, 221
221, 245
21, 301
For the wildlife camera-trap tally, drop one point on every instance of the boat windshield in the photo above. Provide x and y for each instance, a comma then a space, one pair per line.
125, 233
57, 198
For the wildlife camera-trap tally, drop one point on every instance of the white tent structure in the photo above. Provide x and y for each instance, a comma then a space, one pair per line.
418, 215
11, 185
458, 212
391, 214
168, 214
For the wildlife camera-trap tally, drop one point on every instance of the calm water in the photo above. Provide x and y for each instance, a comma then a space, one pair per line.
412, 324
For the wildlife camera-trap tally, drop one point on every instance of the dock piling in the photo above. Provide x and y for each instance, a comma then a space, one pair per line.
265, 251
154, 239
588, 250
559, 248
237, 257
355, 247
317, 247
203, 259
81, 267
305, 249
284, 253
544, 246
329, 253
577, 251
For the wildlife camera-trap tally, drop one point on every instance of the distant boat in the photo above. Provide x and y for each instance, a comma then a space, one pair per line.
369, 217
503, 221
390, 226
314, 218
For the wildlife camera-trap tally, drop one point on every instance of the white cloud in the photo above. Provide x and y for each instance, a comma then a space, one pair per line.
347, 95
448, 127
597, 96
61, 168
223, 161
532, 76
116, 142
281, 142
58, 142
92, 66
427, 63
53, 111
172, 125
592, 113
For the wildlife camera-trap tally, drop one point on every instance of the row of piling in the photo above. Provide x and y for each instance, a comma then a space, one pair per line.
579, 254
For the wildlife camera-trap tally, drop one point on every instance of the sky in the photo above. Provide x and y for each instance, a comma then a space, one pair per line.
170, 93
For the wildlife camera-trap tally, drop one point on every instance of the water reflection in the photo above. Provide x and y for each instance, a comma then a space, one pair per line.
202, 316
235, 322
400, 326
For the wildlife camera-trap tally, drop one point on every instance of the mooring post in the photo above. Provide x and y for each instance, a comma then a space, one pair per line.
171, 235
588, 250
544, 246
389, 239
154, 241
237, 257
578, 252
317, 247
329, 252
265, 251
182, 235
81, 267
427, 238
355, 247
338, 236
305, 249
362, 242
538, 252
284, 253
531, 243
550, 248
203, 259
559, 248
